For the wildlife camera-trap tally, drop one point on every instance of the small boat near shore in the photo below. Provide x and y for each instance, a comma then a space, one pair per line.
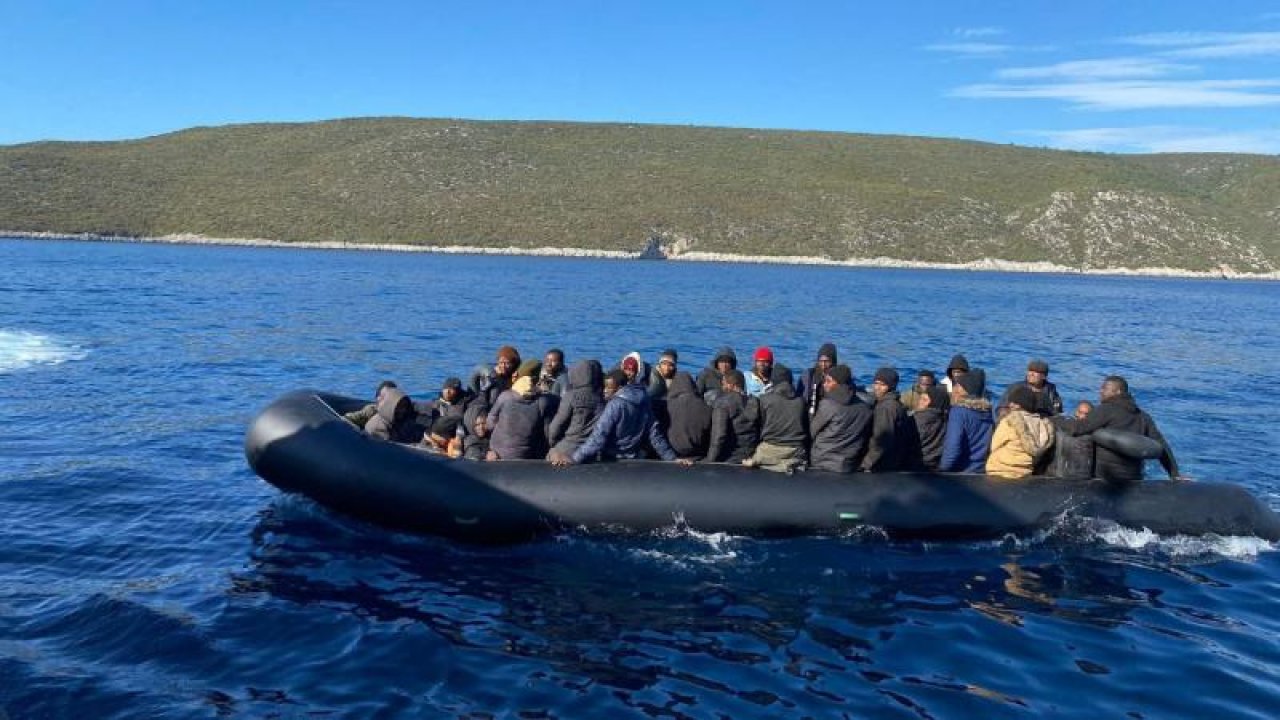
301, 444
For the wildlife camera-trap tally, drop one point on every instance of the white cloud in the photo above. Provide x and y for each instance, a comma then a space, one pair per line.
1163, 139
972, 49
1136, 94
1101, 69
973, 32
1210, 44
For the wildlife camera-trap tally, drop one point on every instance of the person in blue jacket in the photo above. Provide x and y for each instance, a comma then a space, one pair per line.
969, 425
621, 430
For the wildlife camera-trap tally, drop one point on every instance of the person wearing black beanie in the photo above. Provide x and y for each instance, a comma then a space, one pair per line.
894, 443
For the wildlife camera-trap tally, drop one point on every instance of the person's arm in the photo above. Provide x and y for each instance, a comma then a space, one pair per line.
952, 443
659, 442
362, 416
599, 435
560, 422
820, 420
1167, 461
495, 412
1097, 419
881, 436
719, 431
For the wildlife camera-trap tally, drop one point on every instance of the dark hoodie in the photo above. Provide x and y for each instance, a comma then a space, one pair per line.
517, 425
895, 444
809, 388
784, 419
841, 429
579, 408
931, 426
474, 447
620, 431
735, 427
1121, 412
689, 417
395, 419
708, 384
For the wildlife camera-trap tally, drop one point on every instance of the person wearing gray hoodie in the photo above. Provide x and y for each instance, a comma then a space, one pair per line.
395, 419
579, 408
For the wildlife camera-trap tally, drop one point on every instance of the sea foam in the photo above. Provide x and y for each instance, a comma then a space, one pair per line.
21, 349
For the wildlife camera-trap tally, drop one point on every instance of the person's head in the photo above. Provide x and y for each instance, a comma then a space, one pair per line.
972, 383
480, 425
383, 387
1037, 373
938, 399
451, 389
958, 366
827, 357
925, 379
762, 362
733, 381
1083, 408
613, 382
507, 361
553, 362
1113, 386
725, 360
630, 368
1022, 397
667, 364
886, 381
837, 376
443, 430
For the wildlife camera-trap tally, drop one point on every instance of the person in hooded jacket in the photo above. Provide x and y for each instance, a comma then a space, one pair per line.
452, 402
894, 444
710, 380
579, 409
959, 365
811, 385
969, 425
688, 418
475, 440
784, 426
930, 417
1117, 409
362, 416
841, 427
621, 430
1021, 438
395, 420
518, 420
735, 421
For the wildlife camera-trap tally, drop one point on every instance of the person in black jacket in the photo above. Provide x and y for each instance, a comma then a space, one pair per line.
894, 444
784, 426
688, 418
810, 386
735, 421
841, 426
1118, 410
579, 408
1047, 400
712, 376
930, 417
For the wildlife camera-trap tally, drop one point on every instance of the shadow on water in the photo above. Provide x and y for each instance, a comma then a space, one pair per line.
688, 625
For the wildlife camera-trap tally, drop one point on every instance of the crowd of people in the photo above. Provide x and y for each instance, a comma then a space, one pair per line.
765, 417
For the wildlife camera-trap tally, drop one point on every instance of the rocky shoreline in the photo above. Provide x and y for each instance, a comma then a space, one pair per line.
982, 265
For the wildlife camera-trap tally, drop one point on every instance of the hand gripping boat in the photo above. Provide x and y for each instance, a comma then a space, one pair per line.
301, 444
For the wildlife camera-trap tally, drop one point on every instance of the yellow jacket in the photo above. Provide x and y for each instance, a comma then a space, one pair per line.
1019, 440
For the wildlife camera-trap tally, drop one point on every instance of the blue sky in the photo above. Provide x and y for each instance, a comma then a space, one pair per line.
1118, 76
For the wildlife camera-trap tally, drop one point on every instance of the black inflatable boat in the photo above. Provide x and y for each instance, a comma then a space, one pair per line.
301, 444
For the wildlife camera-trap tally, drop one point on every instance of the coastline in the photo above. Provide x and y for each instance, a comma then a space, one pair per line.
981, 265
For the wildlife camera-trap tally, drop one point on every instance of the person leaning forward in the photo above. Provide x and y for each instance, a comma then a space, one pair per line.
1118, 410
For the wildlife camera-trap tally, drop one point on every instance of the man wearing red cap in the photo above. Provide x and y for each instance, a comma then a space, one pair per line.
758, 379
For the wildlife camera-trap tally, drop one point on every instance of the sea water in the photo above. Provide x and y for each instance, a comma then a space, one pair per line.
147, 572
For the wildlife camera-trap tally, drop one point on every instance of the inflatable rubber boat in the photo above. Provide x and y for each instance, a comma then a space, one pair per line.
301, 444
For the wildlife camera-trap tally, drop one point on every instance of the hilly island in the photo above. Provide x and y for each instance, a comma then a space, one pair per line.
699, 192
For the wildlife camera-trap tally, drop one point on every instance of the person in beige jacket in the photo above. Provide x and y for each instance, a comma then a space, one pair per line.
1021, 438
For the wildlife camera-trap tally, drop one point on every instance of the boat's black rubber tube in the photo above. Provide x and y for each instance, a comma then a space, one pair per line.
299, 444
1132, 445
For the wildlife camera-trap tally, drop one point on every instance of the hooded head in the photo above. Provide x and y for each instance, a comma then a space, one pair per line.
958, 362
395, 407
974, 382
507, 361
828, 351
681, 384
583, 375
781, 381
725, 354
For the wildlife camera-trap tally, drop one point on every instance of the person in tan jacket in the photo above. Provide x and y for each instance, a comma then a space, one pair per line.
1020, 439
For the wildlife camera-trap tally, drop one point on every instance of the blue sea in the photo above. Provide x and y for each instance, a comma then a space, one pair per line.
146, 572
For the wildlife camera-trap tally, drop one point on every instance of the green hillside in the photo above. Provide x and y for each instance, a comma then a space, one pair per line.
452, 182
